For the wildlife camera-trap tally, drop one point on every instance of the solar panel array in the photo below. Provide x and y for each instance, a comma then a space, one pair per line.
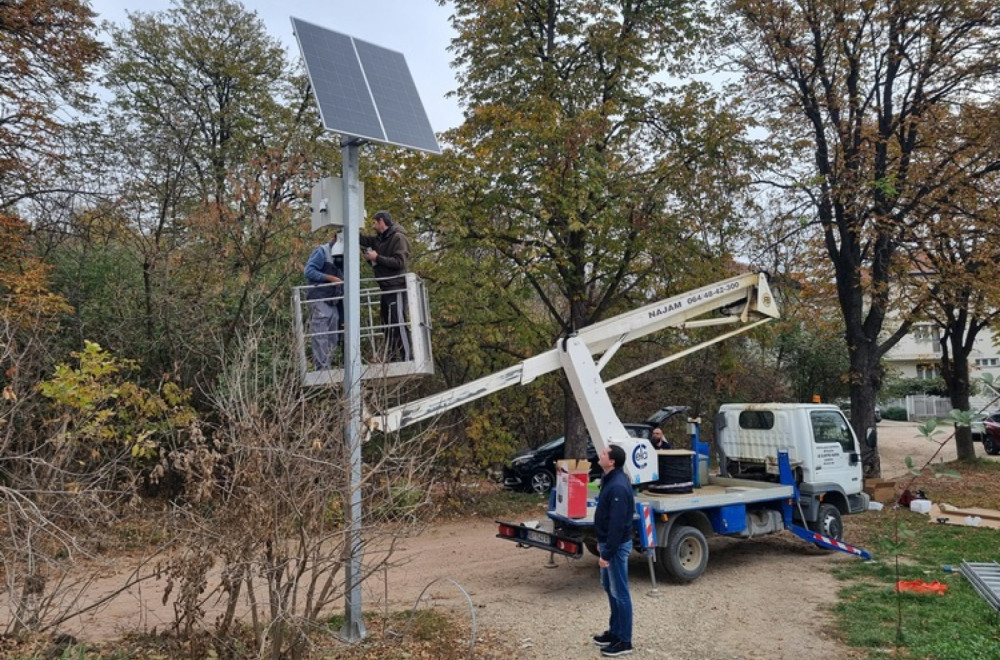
364, 90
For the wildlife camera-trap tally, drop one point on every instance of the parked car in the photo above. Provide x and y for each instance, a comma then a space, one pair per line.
988, 433
534, 470
845, 405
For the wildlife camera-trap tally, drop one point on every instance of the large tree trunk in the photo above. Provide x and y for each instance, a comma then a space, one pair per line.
576, 429
956, 345
866, 379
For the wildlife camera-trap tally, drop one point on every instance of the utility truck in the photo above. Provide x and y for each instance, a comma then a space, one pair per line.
791, 467
785, 461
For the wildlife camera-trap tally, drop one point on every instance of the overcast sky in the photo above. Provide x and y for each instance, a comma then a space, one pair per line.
419, 29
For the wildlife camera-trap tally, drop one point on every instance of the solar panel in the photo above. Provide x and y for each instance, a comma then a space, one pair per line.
363, 90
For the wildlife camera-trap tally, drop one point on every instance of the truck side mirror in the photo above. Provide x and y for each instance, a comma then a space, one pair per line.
871, 437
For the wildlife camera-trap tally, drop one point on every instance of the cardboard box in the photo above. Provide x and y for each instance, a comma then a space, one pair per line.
881, 490
966, 516
571, 488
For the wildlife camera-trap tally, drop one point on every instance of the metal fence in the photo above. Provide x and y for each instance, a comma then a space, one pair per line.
920, 407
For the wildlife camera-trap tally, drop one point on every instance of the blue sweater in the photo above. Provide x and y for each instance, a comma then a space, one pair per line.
615, 507
323, 262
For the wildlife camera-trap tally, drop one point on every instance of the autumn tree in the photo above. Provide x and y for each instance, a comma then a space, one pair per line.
580, 181
47, 54
216, 142
954, 265
852, 96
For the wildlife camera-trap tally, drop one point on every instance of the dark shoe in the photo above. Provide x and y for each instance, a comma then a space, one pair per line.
604, 638
616, 649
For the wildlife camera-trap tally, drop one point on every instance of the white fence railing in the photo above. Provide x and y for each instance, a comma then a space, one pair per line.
924, 406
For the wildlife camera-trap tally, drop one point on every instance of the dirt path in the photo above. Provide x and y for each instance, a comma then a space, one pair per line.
763, 598
759, 599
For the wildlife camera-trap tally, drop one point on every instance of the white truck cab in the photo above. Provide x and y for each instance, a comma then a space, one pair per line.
824, 454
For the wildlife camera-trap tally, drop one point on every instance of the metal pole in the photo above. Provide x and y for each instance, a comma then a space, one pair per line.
354, 625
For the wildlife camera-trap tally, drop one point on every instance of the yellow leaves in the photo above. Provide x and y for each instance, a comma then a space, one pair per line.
9, 394
99, 407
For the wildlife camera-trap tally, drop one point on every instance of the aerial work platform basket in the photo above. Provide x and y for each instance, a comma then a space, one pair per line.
412, 333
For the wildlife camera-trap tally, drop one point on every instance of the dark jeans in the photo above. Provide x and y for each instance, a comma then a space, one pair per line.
393, 313
614, 579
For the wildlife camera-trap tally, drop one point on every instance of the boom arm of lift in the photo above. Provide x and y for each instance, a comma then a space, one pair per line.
744, 299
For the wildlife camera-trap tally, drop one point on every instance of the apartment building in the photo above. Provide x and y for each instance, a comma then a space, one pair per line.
918, 354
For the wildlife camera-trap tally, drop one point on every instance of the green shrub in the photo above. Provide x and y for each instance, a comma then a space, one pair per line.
896, 414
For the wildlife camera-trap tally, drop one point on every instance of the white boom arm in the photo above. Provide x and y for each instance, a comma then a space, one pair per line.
744, 298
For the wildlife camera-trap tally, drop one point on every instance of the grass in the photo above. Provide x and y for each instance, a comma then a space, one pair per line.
958, 625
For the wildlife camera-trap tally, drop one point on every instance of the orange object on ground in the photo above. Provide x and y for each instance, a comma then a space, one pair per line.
921, 587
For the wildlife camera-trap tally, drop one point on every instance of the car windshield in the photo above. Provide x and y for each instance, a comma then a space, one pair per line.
552, 444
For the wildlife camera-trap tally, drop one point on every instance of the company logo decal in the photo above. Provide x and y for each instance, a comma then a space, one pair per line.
640, 457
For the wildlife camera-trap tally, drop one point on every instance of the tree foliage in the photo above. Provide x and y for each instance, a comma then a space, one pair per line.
580, 181
100, 407
47, 54
216, 142
955, 269
857, 100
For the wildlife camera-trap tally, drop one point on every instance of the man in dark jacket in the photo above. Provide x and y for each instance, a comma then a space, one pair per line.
613, 526
659, 440
388, 251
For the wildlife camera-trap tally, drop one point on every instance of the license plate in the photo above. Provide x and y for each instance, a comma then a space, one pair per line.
538, 537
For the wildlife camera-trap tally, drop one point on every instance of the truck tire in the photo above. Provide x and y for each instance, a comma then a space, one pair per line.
685, 556
590, 543
828, 522
990, 445
541, 482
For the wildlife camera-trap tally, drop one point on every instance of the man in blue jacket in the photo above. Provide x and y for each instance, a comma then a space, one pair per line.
325, 273
613, 525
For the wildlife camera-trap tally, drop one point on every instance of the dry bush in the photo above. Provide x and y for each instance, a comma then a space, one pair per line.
252, 543
264, 526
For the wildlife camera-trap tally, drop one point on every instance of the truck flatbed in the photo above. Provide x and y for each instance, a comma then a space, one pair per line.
718, 492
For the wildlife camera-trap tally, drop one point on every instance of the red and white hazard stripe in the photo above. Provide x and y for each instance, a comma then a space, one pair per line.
840, 545
648, 529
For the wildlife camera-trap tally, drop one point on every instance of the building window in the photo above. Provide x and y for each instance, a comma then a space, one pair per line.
926, 332
987, 362
928, 371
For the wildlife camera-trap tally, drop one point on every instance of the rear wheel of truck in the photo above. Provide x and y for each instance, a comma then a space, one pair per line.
828, 522
685, 556
590, 543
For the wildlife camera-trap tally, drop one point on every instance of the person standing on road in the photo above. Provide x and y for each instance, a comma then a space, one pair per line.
325, 273
388, 252
613, 526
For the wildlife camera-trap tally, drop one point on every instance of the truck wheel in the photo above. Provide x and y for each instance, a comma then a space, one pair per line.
990, 445
828, 522
541, 482
591, 544
685, 556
